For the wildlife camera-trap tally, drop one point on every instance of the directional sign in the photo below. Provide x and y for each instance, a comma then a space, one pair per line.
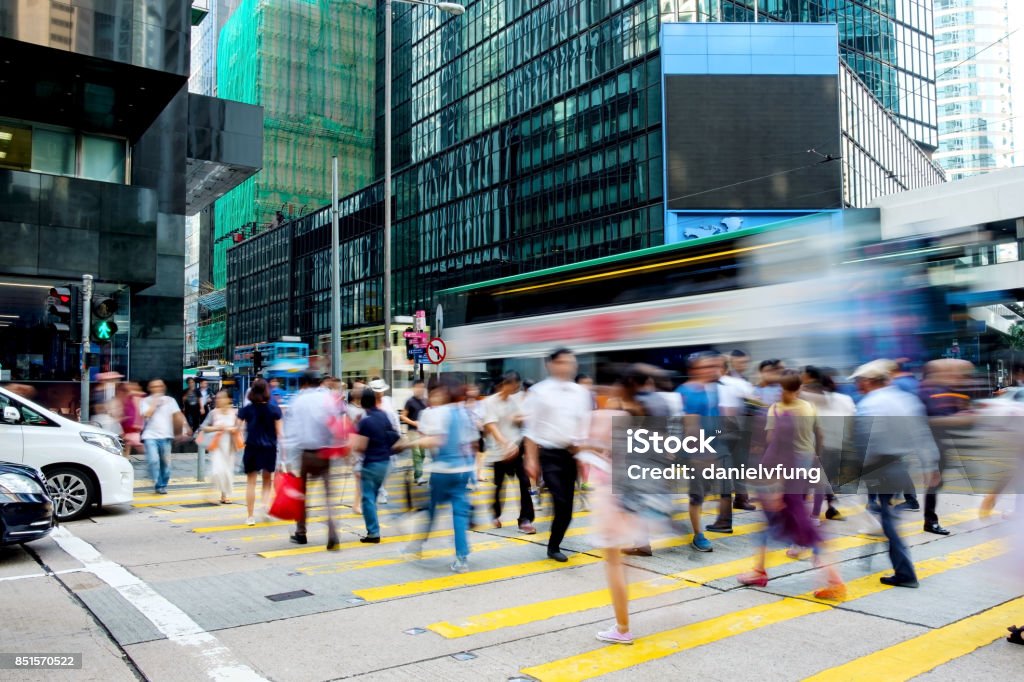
436, 351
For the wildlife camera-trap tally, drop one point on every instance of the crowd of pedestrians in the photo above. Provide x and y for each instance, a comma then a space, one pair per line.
864, 435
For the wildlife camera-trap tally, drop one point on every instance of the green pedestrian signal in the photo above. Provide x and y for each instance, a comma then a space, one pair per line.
103, 331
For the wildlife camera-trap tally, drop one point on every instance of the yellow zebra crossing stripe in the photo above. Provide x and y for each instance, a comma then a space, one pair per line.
615, 658
543, 610
916, 656
489, 575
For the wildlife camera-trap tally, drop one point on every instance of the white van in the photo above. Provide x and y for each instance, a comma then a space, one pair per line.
83, 464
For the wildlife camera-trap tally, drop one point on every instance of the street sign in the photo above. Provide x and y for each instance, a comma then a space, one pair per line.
436, 351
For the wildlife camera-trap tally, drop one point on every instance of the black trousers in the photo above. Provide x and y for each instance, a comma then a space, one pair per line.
946, 450
559, 469
513, 468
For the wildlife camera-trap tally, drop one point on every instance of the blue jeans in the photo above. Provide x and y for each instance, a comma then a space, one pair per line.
373, 475
451, 488
158, 457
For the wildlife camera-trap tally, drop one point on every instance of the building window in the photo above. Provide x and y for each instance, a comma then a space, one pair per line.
102, 158
53, 151
15, 147
60, 151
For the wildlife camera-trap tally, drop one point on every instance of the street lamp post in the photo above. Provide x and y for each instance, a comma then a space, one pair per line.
450, 8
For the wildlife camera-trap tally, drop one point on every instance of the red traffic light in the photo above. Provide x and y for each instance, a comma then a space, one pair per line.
62, 294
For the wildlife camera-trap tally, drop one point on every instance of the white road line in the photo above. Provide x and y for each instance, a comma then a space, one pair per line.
22, 577
212, 656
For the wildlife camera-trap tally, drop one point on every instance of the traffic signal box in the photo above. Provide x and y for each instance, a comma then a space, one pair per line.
102, 327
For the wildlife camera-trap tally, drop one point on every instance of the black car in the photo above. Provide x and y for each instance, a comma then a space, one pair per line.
26, 511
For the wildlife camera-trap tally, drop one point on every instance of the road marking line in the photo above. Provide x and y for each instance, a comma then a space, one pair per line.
210, 655
615, 658
868, 584
544, 610
22, 577
488, 575
926, 652
511, 571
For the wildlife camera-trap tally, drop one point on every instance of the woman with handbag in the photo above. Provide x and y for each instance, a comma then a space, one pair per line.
262, 418
226, 439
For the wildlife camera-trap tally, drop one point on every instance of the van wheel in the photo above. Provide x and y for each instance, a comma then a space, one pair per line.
72, 492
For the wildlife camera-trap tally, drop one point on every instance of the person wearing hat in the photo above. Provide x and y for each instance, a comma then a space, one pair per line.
891, 426
379, 386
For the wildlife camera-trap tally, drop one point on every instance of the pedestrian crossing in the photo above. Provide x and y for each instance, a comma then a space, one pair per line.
551, 610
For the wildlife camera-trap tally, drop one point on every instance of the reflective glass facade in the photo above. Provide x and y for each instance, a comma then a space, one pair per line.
888, 43
526, 135
974, 87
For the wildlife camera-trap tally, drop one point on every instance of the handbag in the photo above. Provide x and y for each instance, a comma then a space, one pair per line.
289, 497
341, 428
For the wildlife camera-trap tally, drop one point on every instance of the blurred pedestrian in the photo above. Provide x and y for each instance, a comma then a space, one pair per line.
306, 432
383, 401
190, 405
410, 417
835, 416
617, 529
948, 407
795, 440
131, 419
701, 413
158, 432
222, 421
450, 432
557, 412
263, 422
503, 420
277, 394
374, 441
891, 427
735, 393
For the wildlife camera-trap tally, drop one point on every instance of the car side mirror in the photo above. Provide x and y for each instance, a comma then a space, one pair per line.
12, 415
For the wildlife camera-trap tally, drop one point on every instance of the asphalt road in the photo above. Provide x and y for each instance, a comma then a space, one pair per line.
177, 588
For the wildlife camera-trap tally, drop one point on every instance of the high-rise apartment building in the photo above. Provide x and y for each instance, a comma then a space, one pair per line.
974, 87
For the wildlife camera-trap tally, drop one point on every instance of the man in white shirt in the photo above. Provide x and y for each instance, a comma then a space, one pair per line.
158, 409
557, 417
503, 418
733, 393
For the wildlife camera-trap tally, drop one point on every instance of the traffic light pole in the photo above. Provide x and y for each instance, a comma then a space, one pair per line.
83, 364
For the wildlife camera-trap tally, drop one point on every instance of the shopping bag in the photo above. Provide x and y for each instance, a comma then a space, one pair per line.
289, 497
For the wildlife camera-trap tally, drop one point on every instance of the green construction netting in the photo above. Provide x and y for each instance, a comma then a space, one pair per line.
310, 64
210, 336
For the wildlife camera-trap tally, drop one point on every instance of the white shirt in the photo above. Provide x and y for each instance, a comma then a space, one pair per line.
389, 409
733, 392
503, 412
557, 413
161, 424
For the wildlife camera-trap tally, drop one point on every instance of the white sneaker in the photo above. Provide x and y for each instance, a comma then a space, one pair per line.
251, 521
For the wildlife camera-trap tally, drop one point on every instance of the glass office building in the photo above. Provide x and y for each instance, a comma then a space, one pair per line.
974, 87
888, 43
526, 134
